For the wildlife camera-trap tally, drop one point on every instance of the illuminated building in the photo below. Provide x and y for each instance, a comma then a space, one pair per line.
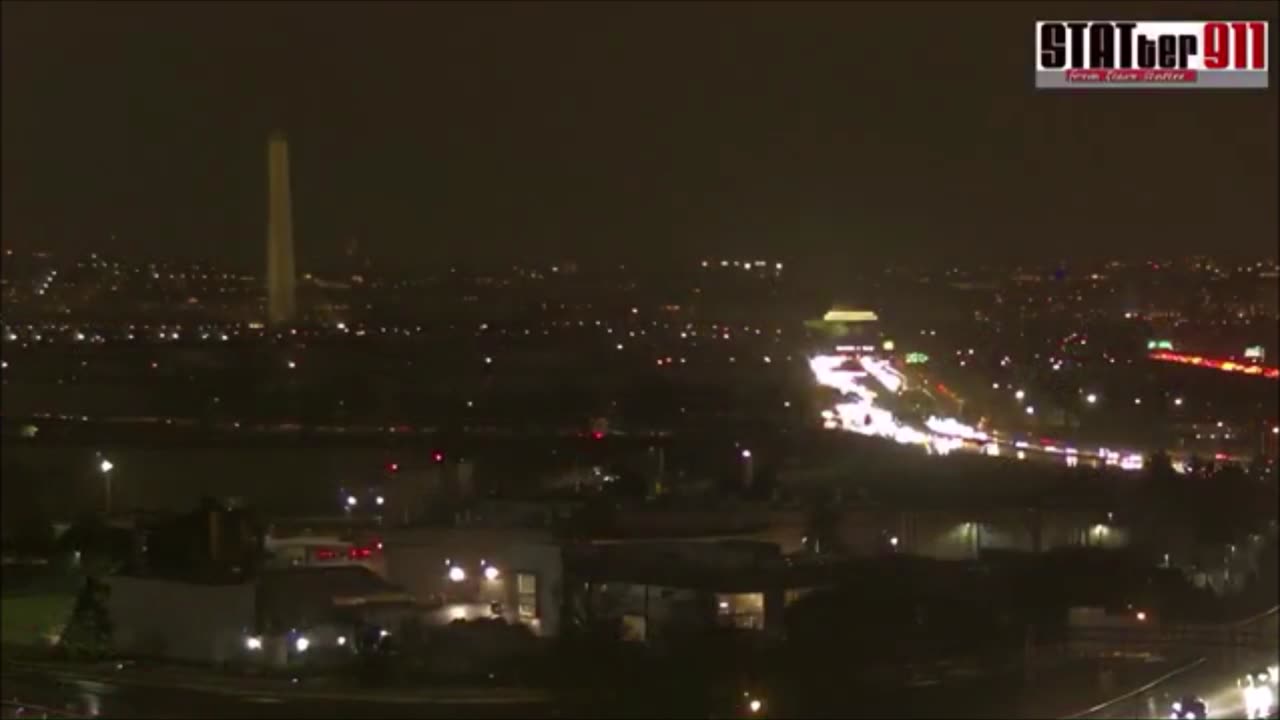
850, 327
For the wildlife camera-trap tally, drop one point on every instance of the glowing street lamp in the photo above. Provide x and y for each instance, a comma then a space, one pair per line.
105, 467
1091, 398
748, 469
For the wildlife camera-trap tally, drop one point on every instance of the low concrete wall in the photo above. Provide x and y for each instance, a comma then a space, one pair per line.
180, 621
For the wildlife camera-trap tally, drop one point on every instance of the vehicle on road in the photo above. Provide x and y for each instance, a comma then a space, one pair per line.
1257, 687
1190, 708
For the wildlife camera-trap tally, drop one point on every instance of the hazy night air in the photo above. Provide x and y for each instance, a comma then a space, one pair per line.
630, 359
650, 133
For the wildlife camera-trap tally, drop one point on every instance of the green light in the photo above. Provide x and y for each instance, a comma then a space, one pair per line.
916, 358
1255, 352
1159, 344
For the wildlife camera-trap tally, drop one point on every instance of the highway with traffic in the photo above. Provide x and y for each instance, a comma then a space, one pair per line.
870, 388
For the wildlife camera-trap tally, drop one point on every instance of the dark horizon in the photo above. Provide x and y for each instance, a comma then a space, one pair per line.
650, 135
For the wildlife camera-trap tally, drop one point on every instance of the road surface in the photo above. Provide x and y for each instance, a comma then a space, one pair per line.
87, 698
1214, 681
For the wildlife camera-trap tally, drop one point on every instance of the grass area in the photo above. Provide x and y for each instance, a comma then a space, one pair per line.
32, 619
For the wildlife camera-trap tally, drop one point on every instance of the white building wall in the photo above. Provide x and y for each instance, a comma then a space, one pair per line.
180, 621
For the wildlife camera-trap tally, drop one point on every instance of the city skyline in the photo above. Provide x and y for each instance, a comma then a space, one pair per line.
655, 135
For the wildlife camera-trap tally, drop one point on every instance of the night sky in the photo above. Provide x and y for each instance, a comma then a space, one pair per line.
826, 134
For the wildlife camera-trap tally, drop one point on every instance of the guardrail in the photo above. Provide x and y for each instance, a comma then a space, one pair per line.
16, 709
1134, 693
1257, 632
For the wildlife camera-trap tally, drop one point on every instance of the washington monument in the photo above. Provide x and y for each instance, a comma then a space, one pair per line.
282, 302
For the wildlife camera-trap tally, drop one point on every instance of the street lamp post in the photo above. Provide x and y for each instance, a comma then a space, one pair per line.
105, 467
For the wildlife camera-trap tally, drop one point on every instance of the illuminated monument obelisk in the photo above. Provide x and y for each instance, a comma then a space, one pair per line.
281, 291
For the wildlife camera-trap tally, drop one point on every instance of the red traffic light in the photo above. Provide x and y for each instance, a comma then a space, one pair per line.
597, 435
437, 456
393, 467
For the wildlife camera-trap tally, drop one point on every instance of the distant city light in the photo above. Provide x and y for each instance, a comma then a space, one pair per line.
1177, 401
106, 466
1021, 394
352, 501
1091, 398
301, 644
1269, 373
253, 643
746, 454
379, 500
457, 574
490, 573
1031, 410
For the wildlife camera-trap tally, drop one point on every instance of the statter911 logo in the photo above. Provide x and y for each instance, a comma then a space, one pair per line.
1089, 54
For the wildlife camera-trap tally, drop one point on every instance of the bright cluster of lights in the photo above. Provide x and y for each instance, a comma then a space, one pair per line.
954, 428
861, 415
891, 379
858, 412
1258, 699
